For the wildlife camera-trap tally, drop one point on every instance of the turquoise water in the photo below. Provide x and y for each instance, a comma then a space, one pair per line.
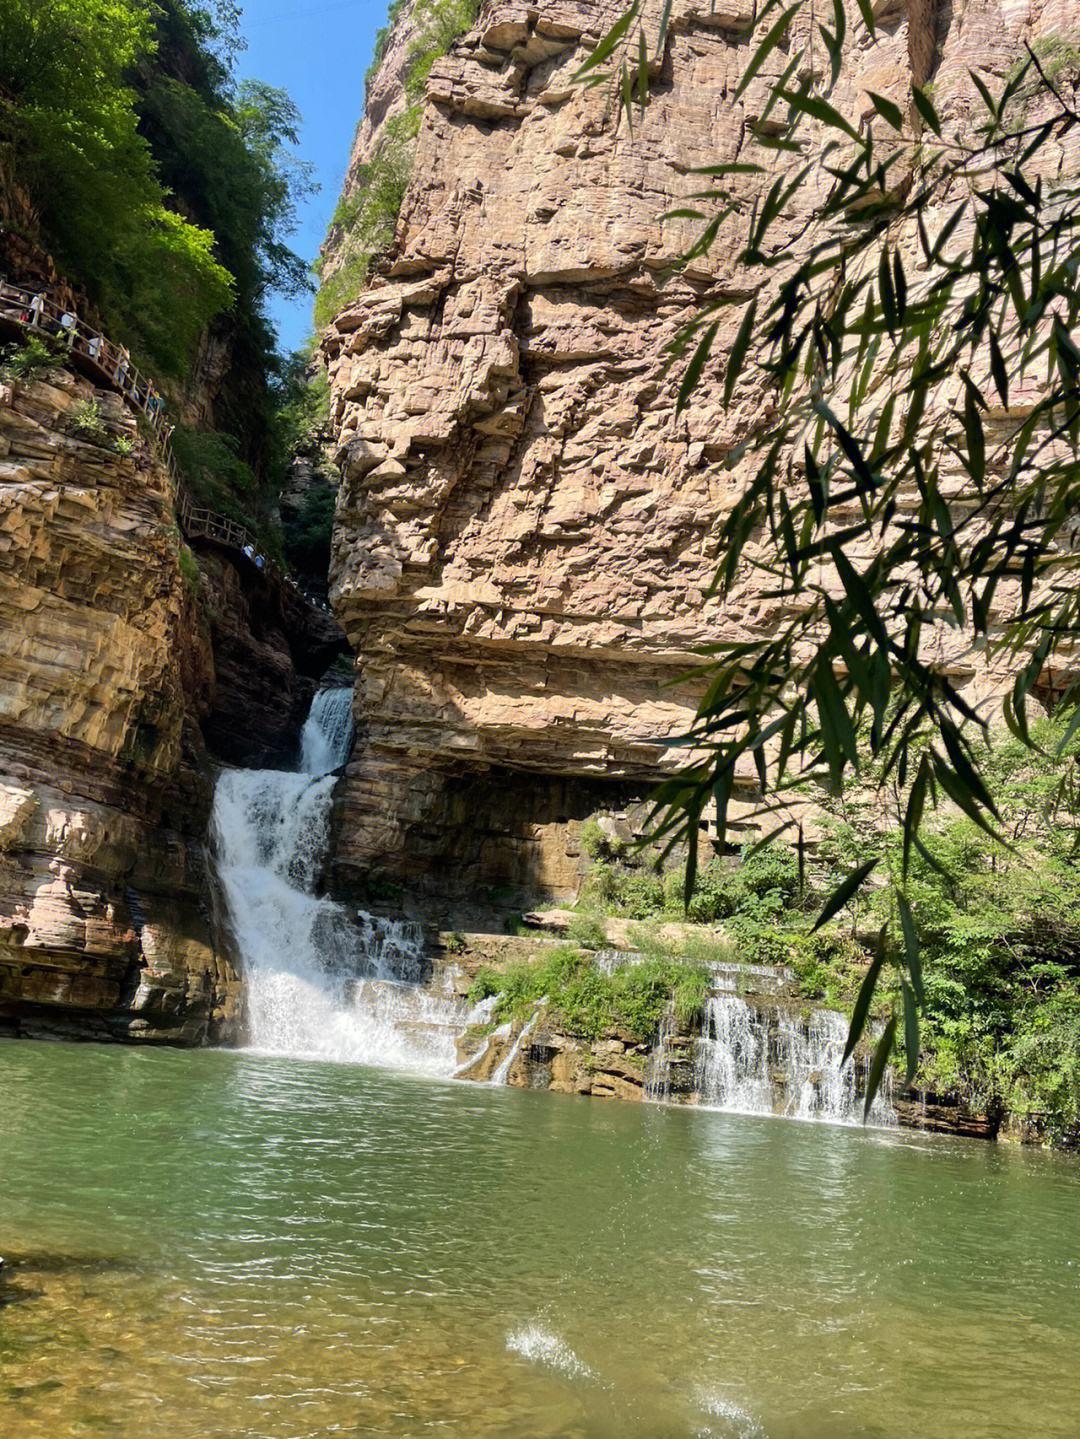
214, 1244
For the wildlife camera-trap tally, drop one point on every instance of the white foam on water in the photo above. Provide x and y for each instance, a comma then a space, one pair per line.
541, 1346
737, 1422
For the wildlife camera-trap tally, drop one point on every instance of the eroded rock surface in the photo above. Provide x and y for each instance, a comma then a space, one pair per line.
106, 896
526, 529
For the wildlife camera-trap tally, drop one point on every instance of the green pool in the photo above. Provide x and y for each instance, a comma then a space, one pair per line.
216, 1244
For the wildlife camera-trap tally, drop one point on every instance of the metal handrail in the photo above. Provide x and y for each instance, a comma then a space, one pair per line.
33, 310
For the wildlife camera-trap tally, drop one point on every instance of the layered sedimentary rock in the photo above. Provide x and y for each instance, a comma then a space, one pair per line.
106, 899
269, 650
527, 528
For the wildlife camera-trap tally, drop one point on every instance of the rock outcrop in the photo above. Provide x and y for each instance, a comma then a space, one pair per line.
526, 527
107, 926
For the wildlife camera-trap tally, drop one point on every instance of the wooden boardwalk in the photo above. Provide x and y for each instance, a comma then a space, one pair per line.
109, 367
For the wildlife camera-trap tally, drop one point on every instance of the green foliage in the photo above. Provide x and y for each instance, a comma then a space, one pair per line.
87, 422
998, 935
162, 186
828, 964
217, 476
586, 932
70, 122
439, 22
763, 885
123, 445
616, 889
598, 844
299, 433
189, 568
308, 531
27, 361
700, 948
589, 1004
1058, 57
366, 217
382, 35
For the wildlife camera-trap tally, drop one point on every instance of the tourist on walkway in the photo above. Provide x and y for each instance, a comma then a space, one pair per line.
122, 365
69, 325
37, 309
93, 347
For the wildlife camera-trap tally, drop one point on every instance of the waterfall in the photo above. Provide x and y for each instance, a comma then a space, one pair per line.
327, 732
757, 1060
320, 983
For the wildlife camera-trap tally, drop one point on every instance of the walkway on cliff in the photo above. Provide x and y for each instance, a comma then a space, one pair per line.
109, 366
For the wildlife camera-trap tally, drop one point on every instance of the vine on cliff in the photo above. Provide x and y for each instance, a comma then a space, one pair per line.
366, 215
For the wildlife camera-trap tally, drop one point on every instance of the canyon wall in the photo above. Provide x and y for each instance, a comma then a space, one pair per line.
105, 911
121, 657
526, 529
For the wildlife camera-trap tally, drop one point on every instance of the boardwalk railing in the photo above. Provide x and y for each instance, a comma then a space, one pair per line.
34, 311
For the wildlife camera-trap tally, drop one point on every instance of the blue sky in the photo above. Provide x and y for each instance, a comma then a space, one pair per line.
318, 50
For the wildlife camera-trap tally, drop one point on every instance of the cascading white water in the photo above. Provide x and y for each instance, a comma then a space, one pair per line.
753, 1060
319, 983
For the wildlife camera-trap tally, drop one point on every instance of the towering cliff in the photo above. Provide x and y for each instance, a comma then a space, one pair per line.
526, 528
106, 901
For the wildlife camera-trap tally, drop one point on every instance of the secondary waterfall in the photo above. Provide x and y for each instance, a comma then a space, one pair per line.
320, 982
771, 1060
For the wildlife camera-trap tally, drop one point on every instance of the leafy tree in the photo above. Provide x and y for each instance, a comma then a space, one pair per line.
911, 473
68, 118
164, 187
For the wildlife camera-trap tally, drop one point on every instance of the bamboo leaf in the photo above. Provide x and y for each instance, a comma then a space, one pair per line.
862, 1002
889, 112
739, 349
925, 107
877, 1065
987, 98
914, 811
912, 952
696, 365
911, 1030
819, 109
998, 371
609, 41
767, 46
844, 891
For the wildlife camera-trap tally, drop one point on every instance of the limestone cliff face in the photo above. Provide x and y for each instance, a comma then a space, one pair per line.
526, 530
106, 900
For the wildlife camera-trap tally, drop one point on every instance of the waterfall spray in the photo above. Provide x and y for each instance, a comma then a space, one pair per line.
764, 1060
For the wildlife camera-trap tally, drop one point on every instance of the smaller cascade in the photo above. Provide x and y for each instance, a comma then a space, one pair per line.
732, 1060
771, 1060
502, 1071
327, 734
658, 1067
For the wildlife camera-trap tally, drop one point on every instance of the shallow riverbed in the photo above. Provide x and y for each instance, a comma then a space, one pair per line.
216, 1244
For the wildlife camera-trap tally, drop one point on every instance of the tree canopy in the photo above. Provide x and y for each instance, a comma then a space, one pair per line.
162, 186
